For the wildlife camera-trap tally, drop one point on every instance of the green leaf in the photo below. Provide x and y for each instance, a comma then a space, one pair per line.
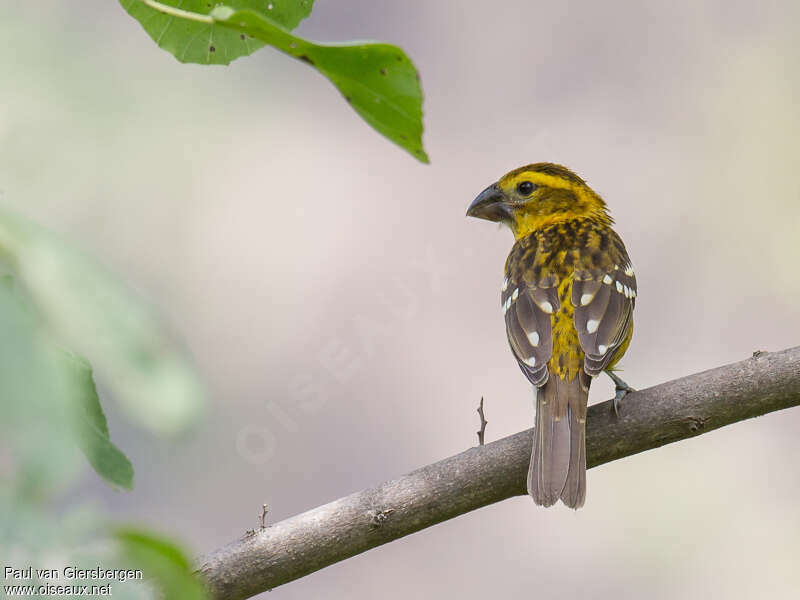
162, 562
35, 396
91, 312
48, 396
378, 80
205, 43
91, 429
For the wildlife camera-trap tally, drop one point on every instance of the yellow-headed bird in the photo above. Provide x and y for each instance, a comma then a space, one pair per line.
567, 297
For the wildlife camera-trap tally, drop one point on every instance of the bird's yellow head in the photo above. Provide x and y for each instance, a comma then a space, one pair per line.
537, 196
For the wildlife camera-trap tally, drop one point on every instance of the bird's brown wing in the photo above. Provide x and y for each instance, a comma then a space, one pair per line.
604, 295
529, 329
529, 297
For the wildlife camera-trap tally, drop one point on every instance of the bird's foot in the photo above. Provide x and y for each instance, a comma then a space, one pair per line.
622, 389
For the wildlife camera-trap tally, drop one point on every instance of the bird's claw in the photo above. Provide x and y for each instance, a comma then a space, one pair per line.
619, 395
621, 388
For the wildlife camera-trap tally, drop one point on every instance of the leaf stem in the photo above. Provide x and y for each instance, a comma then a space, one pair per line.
177, 12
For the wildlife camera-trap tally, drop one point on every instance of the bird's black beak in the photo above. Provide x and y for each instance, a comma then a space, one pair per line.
490, 205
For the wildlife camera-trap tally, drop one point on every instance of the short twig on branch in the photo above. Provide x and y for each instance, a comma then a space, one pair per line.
659, 415
482, 430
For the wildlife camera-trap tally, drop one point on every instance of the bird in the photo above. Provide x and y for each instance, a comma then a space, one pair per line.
568, 294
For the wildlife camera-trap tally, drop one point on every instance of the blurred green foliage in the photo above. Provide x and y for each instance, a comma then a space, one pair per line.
378, 80
54, 300
166, 565
91, 428
92, 313
58, 306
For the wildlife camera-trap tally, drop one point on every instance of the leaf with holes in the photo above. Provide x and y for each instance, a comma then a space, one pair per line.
378, 80
193, 41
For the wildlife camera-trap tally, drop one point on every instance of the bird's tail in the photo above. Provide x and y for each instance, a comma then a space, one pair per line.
558, 458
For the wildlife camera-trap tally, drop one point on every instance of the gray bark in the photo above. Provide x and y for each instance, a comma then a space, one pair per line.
649, 418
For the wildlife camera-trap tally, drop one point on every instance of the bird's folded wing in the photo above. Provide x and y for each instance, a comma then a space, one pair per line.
527, 309
603, 299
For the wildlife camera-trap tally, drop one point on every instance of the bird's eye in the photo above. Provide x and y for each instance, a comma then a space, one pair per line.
526, 188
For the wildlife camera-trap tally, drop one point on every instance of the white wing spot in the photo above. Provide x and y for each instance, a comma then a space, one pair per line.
602, 349
607, 279
505, 284
533, 338
629, 271
592, 325
506, 305
531, 361
619, 287
633, 293
546, 307
586, 298
627, 292
515, 295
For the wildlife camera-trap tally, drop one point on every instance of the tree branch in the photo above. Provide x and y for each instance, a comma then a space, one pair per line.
483, 475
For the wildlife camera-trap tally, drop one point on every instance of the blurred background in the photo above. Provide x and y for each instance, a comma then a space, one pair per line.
345, 314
